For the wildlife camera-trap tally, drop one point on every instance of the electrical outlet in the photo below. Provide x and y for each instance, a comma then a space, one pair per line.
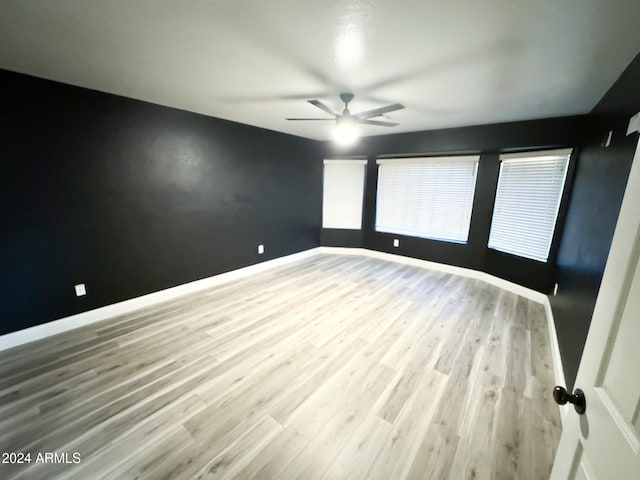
80, 290
260, 249
634, 124
396, 242
555, 289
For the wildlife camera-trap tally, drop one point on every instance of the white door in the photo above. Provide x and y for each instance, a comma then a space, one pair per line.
604, 443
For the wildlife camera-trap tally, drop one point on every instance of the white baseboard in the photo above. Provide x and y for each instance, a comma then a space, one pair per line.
441, 267
44, 330
38, 332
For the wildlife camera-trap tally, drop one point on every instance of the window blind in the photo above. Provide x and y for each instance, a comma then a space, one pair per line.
528, 197
426, 197
343, 193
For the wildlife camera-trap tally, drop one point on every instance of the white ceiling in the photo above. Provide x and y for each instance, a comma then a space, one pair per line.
451, 63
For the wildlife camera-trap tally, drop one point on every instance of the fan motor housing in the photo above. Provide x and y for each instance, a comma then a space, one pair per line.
346, 97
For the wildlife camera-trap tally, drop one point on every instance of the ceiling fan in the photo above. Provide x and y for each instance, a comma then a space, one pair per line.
352, 118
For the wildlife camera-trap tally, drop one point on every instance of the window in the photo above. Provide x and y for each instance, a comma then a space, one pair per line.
527, 200
343, 193
426, 197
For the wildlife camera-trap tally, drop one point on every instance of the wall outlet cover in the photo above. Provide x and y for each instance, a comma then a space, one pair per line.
80, 290
607, 141
634, 124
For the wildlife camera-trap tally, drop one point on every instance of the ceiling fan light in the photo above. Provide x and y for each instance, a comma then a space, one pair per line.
346, 133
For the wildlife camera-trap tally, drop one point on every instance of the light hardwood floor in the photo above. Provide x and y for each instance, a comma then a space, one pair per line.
334, 367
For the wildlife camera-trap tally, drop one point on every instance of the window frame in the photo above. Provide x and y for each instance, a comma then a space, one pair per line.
567, 154
447, 159
347, 162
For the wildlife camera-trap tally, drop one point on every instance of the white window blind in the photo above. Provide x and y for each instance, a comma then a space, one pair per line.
343, 193
527, 200
426, 197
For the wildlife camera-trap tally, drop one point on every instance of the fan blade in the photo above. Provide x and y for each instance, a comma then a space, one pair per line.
379, 111
332, 119
376, 122
322, 106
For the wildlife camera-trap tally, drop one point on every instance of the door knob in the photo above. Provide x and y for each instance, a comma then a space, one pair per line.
561, 396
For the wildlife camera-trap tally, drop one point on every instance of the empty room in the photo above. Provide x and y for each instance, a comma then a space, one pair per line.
320, 239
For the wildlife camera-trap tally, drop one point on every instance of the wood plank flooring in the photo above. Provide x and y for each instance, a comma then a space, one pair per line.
332, 367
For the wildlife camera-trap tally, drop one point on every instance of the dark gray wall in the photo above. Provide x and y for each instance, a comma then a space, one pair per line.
600, 180
131, 198
488, 141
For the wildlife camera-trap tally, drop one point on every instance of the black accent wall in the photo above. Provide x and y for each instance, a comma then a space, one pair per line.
600, 180
131, 198
488, 141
